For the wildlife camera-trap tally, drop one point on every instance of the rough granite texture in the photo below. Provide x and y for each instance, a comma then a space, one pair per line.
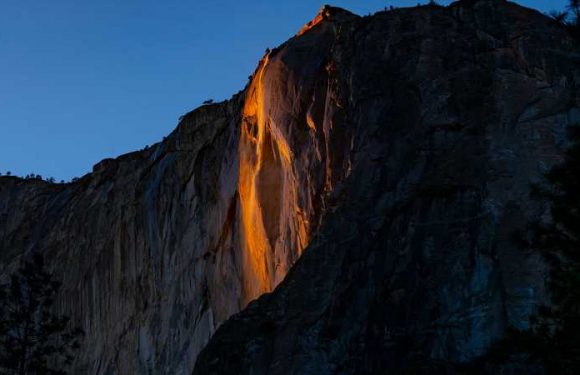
387, 157
451, 113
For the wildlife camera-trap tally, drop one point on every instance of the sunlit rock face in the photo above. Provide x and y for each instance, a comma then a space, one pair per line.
446, 116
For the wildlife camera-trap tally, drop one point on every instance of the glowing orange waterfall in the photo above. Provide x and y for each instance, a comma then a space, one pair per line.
274, 229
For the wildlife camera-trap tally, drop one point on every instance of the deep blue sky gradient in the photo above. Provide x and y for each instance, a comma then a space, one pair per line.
83, 80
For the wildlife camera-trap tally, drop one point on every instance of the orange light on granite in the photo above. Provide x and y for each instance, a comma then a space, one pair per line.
274, 229
319, 18
254, 241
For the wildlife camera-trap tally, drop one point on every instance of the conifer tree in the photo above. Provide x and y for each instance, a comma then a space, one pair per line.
550, 346
557, 326
34, 340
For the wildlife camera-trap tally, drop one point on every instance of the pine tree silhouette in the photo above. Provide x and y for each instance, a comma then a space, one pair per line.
551, 346
34, 340
556, 326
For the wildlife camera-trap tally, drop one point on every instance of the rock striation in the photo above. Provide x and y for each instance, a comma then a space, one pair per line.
371, 175
451, 113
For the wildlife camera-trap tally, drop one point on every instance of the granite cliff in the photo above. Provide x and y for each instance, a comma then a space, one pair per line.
370, 174
451, 113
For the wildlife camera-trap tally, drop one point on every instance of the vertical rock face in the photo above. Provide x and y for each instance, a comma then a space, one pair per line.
451, 113
391, 153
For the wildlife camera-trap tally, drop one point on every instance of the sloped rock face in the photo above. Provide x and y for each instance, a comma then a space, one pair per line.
132, 243
451, 113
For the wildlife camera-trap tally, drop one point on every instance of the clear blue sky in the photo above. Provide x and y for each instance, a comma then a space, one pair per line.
82, 80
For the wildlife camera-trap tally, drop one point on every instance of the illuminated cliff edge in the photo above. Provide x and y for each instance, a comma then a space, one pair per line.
324, 14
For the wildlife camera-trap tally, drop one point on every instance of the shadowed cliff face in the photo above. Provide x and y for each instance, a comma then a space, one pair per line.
449, 114
394, 152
